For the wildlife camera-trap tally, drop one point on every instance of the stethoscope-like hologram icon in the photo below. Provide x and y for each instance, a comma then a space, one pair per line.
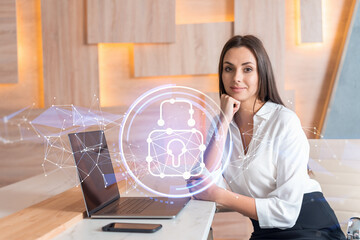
175, 152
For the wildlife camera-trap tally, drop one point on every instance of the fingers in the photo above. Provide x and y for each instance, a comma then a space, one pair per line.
195, 183
228, 100
229, 106
193, 180
236, 106
196, 177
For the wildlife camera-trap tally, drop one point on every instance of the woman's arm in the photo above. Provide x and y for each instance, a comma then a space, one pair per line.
214, 150
237, 202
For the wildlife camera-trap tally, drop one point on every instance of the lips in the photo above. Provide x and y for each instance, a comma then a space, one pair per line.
238, 89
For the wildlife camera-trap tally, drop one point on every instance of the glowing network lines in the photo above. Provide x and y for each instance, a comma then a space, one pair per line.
158, 144
162, 139
16, 127
52, 125
183, 148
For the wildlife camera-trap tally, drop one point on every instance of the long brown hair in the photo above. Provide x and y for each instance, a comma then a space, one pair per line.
267, 90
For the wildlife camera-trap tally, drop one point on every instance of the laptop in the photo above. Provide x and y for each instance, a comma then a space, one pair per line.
99, 185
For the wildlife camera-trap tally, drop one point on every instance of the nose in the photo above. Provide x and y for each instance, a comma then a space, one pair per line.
238, 76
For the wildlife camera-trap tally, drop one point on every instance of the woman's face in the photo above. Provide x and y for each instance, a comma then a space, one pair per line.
240, 75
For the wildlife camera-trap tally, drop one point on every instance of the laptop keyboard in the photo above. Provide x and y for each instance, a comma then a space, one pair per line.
133, 206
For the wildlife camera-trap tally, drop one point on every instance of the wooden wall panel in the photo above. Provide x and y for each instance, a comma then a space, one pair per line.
200, 11
71, 71
266, 20
8, 42
341, 114
311, 21
196, 51
309, 68
139, 21
119, 87
28, 89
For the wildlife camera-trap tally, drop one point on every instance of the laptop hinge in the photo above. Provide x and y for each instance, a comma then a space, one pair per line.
103, 205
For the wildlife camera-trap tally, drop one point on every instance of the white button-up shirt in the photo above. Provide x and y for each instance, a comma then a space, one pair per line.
274, 170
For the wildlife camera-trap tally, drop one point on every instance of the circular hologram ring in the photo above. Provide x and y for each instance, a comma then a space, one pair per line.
163, 139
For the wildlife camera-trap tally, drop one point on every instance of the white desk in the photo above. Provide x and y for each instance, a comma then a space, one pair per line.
193, 222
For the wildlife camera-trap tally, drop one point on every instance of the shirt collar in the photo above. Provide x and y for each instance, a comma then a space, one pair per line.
264, 112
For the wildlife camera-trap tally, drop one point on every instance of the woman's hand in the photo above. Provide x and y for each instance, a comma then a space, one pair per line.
199, 182
229, 106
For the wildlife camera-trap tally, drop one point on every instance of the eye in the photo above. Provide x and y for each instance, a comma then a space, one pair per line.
248, 69
227, 69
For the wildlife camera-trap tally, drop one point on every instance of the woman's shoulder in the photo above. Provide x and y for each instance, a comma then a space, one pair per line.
285, 122
283, 114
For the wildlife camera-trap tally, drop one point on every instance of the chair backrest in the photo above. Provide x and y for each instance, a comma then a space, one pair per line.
336, 166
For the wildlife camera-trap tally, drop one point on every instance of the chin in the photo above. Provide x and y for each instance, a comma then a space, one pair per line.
239, 97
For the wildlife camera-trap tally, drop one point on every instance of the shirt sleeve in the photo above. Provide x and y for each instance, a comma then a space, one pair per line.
215, 175
282, 206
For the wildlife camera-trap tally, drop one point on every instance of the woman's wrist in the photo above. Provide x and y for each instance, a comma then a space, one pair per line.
236, 202
224, 198
220, 196
223, 124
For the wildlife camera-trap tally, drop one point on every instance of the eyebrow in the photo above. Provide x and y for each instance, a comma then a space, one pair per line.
245, 63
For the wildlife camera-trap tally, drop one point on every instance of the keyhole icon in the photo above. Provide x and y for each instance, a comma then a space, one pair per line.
176, 149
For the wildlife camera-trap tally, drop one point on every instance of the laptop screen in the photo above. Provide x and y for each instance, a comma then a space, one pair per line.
95, 169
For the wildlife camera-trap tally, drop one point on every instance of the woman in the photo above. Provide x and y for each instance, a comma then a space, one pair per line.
267, 173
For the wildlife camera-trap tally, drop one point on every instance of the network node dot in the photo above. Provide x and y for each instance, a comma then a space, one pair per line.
191, 122
162, 175
148, 140
202, 165
202, 147
183, 150
169, 152
191, 111
160, 122
148, 159
186, 175
172, 101
169, 131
